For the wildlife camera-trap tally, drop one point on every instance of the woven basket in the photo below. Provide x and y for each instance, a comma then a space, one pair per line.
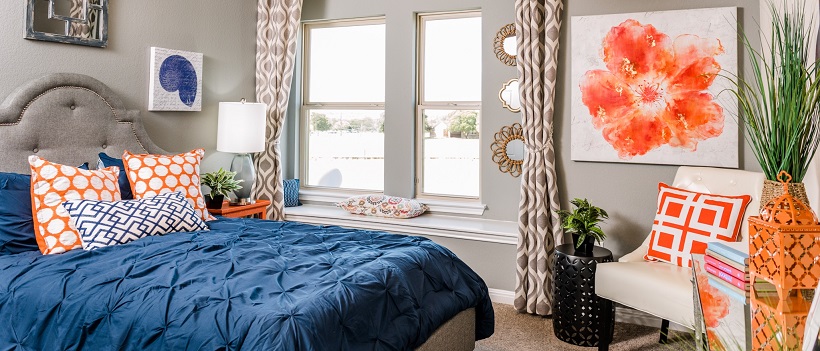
773, 189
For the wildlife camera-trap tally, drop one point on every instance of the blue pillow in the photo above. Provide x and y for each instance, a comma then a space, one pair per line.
107, 223
16, 224
291, 190
125, 186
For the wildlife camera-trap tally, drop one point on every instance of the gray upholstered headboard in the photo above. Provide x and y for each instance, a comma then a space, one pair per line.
67, 118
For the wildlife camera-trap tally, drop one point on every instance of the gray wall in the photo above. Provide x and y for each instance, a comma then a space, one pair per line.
498, 190
494, 262
627, 191
224, 31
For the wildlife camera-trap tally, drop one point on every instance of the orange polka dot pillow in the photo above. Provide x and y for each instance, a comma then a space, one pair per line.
51, 185
687, 220
151, 175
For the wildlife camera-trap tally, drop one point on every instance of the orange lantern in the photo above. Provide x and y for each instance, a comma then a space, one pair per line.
783, 249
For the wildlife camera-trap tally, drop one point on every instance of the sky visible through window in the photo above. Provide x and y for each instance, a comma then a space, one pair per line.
452, 59
345, 97
347, 64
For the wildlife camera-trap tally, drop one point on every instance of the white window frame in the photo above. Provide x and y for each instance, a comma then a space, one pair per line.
422, 105
307, 105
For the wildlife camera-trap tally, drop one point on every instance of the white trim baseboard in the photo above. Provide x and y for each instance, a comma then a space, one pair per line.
466, 228
502, 296
622, 314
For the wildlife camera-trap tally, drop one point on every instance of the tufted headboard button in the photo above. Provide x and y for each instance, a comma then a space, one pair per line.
35, 150
104, 146
73, 107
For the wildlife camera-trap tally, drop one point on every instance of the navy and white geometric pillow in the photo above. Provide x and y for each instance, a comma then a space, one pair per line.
106, 223
291, 192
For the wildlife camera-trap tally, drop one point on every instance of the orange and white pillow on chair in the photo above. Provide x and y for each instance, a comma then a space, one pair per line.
151, 175
51, 185
687, 220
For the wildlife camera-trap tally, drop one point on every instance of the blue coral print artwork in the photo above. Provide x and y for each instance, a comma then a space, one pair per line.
176, 80
177, 74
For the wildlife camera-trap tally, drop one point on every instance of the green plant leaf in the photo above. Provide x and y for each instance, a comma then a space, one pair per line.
221, 182
780, 102
583, 220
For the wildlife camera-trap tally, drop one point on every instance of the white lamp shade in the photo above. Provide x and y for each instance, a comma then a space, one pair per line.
241, 127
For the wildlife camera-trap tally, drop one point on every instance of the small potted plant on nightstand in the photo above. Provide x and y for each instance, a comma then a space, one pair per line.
583, 223
221, 182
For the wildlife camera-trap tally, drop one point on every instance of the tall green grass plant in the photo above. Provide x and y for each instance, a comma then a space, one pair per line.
780, 102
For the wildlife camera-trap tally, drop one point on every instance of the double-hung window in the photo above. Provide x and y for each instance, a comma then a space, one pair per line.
448, 105
343, 104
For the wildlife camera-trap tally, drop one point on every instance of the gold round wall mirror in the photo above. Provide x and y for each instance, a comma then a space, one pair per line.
510, 96
508, 149
505, 44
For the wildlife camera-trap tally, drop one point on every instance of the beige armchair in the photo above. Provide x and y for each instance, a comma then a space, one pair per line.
662, 289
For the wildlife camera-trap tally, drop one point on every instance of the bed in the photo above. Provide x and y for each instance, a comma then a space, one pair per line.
244, 284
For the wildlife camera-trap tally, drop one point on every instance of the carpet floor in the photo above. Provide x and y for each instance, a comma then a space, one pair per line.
519, 332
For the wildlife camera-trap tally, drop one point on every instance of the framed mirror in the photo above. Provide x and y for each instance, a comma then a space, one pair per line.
508, 149
505, 44
81, 22
510, 96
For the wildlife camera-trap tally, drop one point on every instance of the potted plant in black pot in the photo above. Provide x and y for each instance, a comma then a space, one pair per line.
583, 223
221, 182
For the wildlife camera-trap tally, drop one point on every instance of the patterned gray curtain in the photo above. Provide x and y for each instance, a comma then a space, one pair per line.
276, 28
77, 29
89, 30
537, 25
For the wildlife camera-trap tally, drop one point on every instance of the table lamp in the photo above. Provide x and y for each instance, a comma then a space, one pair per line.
241, 130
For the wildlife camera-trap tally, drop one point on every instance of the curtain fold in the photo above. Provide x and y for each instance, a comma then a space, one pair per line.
276, 28
537, 24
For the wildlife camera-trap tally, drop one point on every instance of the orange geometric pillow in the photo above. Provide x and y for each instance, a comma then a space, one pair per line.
151, 175
687, 220
51, 185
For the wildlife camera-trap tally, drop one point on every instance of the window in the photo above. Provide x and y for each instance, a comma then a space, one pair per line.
343, 104
449, 105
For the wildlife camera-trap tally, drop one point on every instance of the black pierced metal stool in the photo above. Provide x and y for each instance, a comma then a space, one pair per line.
579, 316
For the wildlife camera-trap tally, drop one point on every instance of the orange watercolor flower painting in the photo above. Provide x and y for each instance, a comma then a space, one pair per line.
651, 93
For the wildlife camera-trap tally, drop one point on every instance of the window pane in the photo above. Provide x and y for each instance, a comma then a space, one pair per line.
450, 152
452, 59
346, 64
346, 149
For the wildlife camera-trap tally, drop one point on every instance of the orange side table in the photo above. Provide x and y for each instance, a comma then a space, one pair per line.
255, 210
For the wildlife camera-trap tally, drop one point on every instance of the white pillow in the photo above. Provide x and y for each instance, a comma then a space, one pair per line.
383, 206
105, 223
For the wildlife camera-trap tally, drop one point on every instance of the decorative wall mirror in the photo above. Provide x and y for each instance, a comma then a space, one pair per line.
82, 22
508, 149
510, 96
505, 44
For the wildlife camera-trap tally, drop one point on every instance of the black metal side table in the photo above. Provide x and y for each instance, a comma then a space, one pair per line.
579, 316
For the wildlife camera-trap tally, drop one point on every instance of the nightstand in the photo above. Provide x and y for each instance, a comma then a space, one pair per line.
255, 210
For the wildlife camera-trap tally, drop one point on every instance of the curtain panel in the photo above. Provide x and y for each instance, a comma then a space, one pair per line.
276, 29
537, 24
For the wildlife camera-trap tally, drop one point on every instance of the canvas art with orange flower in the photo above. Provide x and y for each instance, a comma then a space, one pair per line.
649, 87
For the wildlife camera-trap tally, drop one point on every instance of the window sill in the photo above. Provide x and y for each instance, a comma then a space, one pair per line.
477, 229
438, 206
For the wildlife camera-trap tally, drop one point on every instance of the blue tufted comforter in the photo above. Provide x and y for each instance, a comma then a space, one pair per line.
246, 284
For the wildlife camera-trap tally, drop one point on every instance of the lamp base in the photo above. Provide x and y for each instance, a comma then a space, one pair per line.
242, 164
